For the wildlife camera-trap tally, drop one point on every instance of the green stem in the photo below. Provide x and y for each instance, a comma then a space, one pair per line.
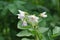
36, 34
36, 37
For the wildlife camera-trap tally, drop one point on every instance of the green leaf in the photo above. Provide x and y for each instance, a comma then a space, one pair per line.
20, 5
19, 2
56, 31
13, 8
3, 4
44, 38
4, 12
42, 23
1, 37
24, 33
25, 39
42, 29
55, 2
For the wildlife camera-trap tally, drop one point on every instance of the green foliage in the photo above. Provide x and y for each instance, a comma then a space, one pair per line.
24, 33
56, 31
50, 27
1, 37
42, 29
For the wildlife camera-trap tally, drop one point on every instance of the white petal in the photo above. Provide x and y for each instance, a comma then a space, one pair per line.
44, 13
45, 16
21, 12
36, 17
33, 18
21, 15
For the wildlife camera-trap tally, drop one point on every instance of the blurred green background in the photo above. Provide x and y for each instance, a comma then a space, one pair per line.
9, 9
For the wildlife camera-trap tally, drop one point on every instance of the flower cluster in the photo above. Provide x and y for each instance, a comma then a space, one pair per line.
31, 18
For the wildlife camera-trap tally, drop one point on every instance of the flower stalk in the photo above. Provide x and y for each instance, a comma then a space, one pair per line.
36, 33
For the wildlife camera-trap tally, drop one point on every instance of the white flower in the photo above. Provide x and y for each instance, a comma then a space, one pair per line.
21, 15
43, 14
33, 18
24, 23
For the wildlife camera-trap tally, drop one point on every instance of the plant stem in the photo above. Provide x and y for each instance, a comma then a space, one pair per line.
36, 34
36, 37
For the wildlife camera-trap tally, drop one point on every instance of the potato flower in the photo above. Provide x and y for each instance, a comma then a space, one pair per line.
33, 19
21, 14
43, 15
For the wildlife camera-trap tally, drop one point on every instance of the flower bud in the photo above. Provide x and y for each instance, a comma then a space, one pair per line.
24, 23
